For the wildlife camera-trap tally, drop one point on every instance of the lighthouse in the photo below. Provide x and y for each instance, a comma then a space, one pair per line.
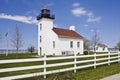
45, 25
56, 41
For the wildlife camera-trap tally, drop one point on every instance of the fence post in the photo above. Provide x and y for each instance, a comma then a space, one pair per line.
95, 60
118, 56
109, 58
75, 62
44, 65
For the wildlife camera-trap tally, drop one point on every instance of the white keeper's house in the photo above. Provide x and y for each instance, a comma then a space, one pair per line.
56, 41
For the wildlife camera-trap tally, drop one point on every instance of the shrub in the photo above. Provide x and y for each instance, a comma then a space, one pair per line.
88, 52
31, 49
85, 52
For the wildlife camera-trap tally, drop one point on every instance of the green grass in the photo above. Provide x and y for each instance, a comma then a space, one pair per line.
82, 74
85, 74
10, 65
18, 56
21, 64
98, 73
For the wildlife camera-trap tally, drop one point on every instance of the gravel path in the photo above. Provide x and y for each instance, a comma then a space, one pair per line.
113, 77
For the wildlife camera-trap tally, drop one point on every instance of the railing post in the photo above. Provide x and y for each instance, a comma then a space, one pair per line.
95, 60
118, 56
75, 62
109, 58
44, 65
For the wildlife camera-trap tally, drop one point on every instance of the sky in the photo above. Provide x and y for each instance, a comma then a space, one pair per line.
86, 15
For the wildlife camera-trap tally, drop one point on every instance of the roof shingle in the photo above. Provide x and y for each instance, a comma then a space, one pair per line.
66, 33
101, 45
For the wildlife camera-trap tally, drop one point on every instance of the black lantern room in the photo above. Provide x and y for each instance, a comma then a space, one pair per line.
45, 13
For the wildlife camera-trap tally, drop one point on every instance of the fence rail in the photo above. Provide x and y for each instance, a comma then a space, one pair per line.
95, 60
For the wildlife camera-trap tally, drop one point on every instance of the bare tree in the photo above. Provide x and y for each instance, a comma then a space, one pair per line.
118, 45
17, 40
86, 44
95, 40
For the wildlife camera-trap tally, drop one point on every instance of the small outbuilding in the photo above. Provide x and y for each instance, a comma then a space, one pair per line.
101, 48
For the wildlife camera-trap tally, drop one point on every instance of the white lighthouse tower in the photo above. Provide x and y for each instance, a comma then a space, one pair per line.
45, 25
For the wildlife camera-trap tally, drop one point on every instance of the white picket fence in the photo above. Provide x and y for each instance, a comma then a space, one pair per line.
103, 58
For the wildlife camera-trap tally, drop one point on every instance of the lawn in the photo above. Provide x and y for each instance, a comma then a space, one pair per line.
18, 56
85, 74
82, 74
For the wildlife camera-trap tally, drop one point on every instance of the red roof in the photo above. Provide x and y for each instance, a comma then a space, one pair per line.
66, 33
101, 45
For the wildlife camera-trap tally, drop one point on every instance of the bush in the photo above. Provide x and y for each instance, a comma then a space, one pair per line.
85, 52
31, 49
88, 52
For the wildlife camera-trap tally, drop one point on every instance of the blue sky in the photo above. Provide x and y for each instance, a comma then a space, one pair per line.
86, 15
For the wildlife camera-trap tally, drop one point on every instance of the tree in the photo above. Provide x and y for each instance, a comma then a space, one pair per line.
31, 49
86, 44
95, 40
17, 40
118, 45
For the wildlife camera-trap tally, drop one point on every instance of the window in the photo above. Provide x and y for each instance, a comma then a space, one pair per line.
96, 48
63, 53
103, 49
53, 44
46, 12
40, 38
53, 54
71, 44
40, 27
40, 51
78, 44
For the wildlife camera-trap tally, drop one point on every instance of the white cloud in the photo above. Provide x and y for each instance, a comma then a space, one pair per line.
24, 19
90, 14
76, 4
94, 19
95, 30
92, 30
79, 11
31, 13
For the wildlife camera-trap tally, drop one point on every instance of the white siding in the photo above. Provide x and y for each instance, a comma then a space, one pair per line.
65, 45
100, 49
46, 33
61, 44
